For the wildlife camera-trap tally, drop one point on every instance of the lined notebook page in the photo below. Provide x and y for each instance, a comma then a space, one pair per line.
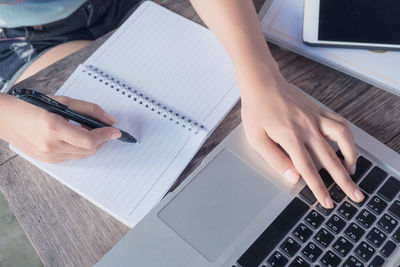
174, 60
127, 180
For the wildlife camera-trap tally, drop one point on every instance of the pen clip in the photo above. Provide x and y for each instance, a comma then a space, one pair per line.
28, 94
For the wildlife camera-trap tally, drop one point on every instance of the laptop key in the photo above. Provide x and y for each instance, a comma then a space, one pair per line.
352, 262
323, 237
311, 251
396, 235
299, 262
302, 233
314, 219
387, 249
290, 247
376, 237
361, 168
373, 179
366, 218
389, 189
330, 259
277, 260
360, 204
342, 246
364, 251
307, 195
325, 211
395, 209
377, 205
387, 223
378, 261
346, 210
274, 234
340, 155
326, 177
337, 193
335, 223
354, 232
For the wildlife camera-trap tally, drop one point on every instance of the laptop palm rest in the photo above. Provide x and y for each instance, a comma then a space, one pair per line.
218, 204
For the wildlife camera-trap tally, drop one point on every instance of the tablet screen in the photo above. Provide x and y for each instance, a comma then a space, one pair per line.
361, 21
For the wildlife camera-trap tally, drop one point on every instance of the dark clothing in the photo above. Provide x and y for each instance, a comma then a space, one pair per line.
20, 46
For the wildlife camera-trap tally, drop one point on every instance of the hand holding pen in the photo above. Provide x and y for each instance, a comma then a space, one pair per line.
42, 101
49, 137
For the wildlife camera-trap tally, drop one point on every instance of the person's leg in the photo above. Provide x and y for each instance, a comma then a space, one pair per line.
51, 56
59, 39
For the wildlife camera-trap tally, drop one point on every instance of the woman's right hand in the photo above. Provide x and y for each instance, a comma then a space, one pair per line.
276, 113
49, 137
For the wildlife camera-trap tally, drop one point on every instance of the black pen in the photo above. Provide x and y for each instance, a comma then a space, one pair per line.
40, 100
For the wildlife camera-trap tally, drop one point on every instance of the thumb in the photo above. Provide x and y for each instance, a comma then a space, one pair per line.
276, 158
104, 134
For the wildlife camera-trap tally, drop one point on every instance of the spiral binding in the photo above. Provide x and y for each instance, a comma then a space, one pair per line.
142, 99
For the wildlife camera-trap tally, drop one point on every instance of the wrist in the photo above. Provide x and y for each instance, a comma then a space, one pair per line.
259, 77
251, 59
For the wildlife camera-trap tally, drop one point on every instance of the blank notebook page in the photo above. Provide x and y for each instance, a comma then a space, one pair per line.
172, 60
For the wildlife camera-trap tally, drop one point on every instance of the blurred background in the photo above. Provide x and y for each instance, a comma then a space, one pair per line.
15, 248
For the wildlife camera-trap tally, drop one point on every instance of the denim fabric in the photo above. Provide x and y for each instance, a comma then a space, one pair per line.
19, 13
20, 46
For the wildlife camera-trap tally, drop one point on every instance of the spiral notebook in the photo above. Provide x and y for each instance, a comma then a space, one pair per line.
168, 82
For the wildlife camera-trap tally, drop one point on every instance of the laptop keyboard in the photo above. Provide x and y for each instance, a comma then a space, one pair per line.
350, 234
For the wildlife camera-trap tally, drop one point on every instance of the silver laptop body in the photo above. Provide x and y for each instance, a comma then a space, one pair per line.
228, 212
234, 210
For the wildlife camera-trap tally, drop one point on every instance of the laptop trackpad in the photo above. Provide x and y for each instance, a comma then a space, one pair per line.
218, 204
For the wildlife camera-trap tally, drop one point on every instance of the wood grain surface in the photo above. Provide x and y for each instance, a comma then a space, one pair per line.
67, 230
5, 153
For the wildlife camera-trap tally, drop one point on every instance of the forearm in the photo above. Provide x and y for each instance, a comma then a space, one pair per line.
235, 24
274, 112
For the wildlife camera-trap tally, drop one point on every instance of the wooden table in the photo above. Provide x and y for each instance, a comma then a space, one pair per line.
67, 230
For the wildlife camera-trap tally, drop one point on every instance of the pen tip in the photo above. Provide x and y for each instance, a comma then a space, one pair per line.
125, 137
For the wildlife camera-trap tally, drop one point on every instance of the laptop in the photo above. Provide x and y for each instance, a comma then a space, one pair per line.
234, 210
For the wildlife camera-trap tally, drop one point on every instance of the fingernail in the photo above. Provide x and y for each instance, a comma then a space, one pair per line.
116, 135
358, 194
110, 117
328, 202
291, 176
352, 169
